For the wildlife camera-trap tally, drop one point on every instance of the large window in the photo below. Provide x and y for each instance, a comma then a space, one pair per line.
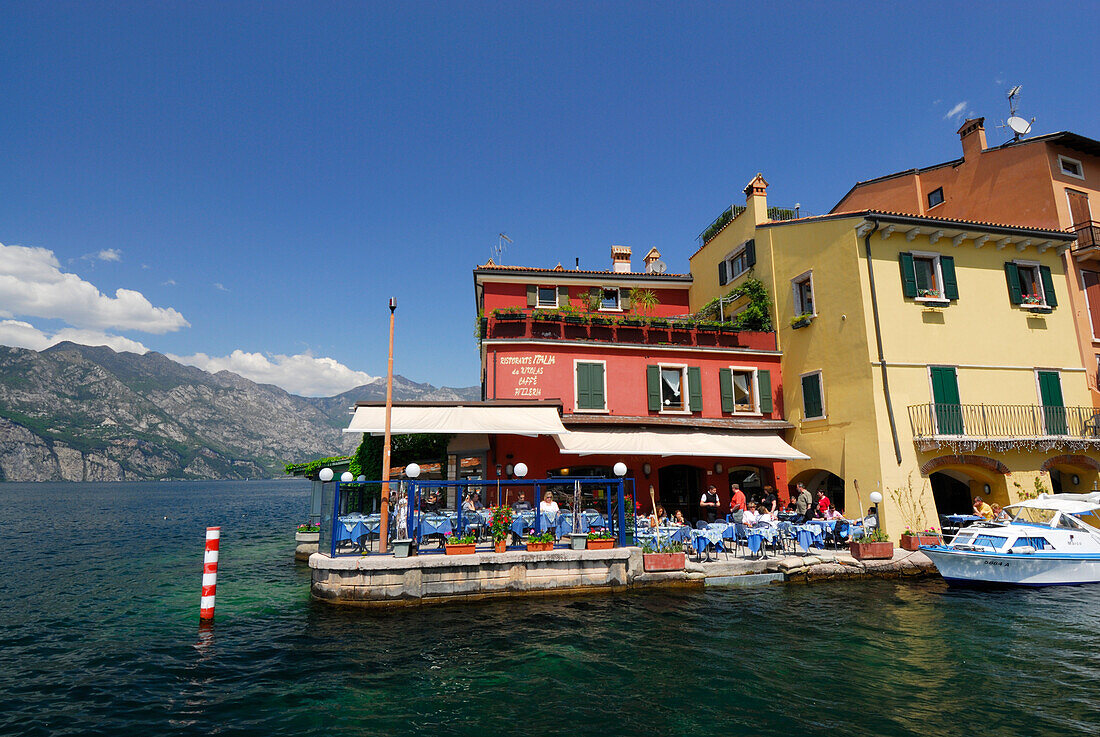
548, 297
674, 388
803, 287
591, 389
1030, 284
813, 396
609, 298
673, 384
928, 276
745, 390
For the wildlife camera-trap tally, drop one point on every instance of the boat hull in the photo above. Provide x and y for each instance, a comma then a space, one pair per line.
1013, 569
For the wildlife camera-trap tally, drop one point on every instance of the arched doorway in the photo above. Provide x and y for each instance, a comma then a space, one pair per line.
952, 493
680, 490
751, 480
817, 478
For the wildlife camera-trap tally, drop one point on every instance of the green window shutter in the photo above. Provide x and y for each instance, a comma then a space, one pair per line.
584, 393
563, 296
811, 395
725, 385
653, 384
950, 283
908, 274
532, 295
695, 389
750, 252
1048, 286
624, 299
595, 386
1012, 274
764, 385
722, 278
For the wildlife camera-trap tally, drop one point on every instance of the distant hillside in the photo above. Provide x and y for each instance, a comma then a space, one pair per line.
82, 413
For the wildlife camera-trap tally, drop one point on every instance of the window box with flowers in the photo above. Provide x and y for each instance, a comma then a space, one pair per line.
465, 545
600, 541
540, 543
801, 321
509, 314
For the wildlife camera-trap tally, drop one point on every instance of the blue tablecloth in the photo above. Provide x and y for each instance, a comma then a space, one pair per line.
960, 519
756, 537
809, 536
432, 525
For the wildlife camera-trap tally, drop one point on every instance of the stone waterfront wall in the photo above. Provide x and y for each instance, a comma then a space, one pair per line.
306, 544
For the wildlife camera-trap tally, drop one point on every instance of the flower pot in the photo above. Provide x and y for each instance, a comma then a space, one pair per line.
466, 549
500, 546
913, 542
539, 547
653, 562
577, 540
605, 543
871, 551
402, 548
800, 324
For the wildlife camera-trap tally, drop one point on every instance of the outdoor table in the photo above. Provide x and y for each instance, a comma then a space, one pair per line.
757, 536
809, 535
522, 522
704, 540
433, 525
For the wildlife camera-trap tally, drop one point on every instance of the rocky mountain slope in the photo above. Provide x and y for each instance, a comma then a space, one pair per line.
81, 413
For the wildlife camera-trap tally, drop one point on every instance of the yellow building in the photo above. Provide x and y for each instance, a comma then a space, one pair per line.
936, 351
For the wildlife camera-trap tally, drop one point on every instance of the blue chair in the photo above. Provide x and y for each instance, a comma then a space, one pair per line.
701, 524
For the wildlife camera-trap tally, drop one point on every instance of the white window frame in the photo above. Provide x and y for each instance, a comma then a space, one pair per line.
1038, 283
943, 198
618, 300
755, 371
820, 388
1062, 160
538, 297
739, 251
942, 299
576, 397
684, 393
796, 294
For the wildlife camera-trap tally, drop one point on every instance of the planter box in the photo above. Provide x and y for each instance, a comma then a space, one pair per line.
577, 541
658, 324
632, 323
913, 542
727, 328
468, 549
871, 551
511, 317
601, 544
539, 547
705, 328
653, 562
575, 321
800, 324
402, 548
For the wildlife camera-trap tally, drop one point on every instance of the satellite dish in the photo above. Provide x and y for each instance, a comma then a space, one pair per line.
657, 267
1018, 125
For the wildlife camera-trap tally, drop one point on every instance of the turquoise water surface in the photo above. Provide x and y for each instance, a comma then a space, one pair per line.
99, 635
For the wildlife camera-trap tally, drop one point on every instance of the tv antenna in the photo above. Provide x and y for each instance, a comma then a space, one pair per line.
1019, 126
497, 251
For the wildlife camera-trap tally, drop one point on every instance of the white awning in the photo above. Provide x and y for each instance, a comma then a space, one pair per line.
459, 420
701, 443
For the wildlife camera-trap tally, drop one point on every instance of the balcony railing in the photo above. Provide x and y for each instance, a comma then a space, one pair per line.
731, 212
1088, 234
1003, 422
633, 329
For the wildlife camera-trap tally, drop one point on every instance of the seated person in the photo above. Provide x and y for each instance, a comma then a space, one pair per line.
658, 518
832, 513
982, 509
750, 517
870, 522
468, 503
522, 505
477, 500
678, 519
431, 504
548, 505
764, 516
999, 515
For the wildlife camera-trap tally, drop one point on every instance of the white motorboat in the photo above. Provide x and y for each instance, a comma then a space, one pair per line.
1040, 542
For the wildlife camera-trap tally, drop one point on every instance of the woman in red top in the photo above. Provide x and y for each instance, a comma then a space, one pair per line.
823, 503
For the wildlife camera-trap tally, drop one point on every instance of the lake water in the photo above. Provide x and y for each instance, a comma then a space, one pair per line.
99, 635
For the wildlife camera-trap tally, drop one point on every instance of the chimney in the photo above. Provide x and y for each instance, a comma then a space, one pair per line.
756, 199
653, 255
972, 135
620, 259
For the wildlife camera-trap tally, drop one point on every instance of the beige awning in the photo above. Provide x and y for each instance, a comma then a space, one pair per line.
708, 444
459, 420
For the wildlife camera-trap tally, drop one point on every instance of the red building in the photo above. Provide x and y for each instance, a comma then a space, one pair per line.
632, 378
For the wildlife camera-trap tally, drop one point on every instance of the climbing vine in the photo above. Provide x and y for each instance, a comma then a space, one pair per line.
756, 316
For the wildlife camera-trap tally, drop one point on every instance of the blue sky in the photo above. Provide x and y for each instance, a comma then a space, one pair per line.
261, 177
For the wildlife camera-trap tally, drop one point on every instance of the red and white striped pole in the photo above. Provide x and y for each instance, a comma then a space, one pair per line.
209, 572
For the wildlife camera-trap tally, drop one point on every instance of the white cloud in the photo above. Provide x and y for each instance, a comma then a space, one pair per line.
302, 374
220, 287
33, 285
957, 111
169, 283
24, 335
109, 254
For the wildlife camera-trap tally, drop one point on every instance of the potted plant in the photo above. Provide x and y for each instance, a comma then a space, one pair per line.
402, 548
930, 293
509, 313
658, 323
709, 326
500, 526
551, 316
308, 527
663, 555
541, 542
875, 545
463, 545
573, 316
801, 321
1032, 299
632, 322
911, 540
600, 540
643, 300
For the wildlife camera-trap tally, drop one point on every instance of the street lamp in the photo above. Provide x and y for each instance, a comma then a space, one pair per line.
520, 470
346, 477
325, 474
412, 470
619, 469
876, 497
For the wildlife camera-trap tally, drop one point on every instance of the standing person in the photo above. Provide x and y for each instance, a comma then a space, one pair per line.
771, 499
737, 498
823, 503
708, 504
803, 503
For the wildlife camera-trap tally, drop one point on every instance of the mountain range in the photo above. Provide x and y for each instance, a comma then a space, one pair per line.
87, 413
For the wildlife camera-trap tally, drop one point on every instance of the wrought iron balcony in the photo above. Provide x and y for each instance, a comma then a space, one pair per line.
1088, 241
1004, 425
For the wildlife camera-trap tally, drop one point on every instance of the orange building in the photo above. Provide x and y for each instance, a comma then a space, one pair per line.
1048, 181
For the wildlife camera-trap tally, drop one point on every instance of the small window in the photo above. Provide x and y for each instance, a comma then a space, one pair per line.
927, 273
591, 386
673, 383
548, 297
609, 299
1071, 167
935, 197
813, 398
803, 287
744, 391
738, 262
1031, 285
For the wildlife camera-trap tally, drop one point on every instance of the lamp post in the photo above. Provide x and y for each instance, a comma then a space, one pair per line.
620, 470
384, 530
876, 498
412, 471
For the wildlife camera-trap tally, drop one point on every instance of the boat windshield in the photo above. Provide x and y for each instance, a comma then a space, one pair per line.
1031, 515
